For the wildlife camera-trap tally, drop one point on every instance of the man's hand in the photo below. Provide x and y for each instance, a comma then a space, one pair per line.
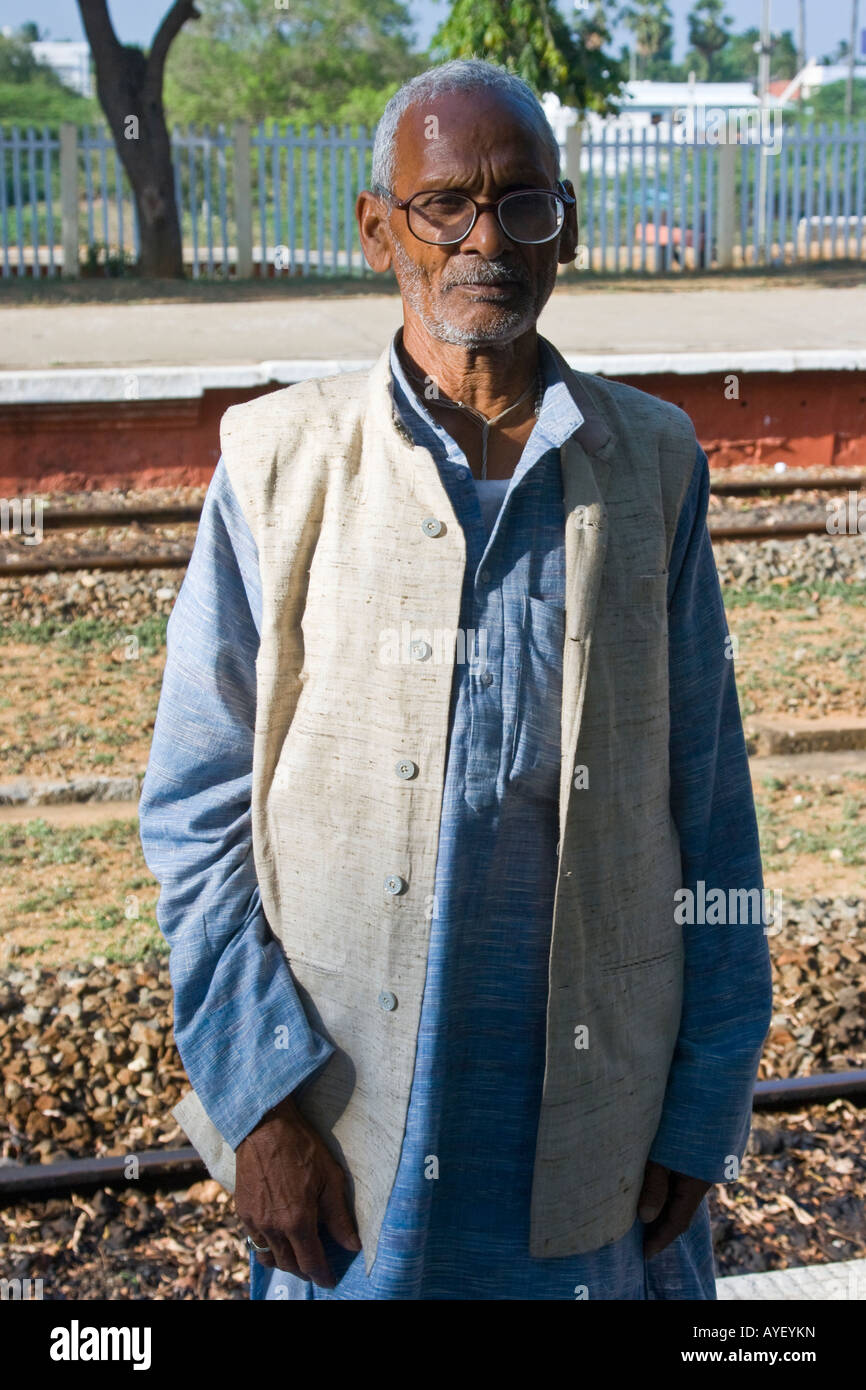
287, 1181
668, 1201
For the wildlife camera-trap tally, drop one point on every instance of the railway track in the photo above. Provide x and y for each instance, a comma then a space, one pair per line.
179, 1168
72, 518
24, 563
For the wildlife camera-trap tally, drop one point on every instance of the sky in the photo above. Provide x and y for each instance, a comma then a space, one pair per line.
827, 21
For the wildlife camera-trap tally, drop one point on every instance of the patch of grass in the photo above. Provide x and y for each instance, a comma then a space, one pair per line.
847, 834
129, 950
791, 596
47, 900
42, 843
85, 633
122, 290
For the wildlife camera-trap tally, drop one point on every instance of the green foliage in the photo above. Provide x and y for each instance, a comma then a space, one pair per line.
38, 103
738, 61
531, 39
17, 63
99, 261
828, 103
32, 93
309, 63
709, 32
651, 23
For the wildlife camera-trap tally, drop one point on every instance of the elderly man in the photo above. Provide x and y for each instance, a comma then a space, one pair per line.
447, 739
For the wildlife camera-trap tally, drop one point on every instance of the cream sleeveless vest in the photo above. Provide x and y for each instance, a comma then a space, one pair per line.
356, 536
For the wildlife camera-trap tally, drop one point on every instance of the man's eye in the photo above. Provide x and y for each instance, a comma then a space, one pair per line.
445, 202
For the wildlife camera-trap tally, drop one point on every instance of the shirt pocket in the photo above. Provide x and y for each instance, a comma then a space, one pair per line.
536, 737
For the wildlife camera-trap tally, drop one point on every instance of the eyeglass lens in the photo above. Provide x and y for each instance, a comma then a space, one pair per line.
445, 217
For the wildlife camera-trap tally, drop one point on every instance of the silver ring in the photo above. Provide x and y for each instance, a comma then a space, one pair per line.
259, 1249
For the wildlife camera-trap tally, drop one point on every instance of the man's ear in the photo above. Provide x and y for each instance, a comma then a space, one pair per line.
568, 237
371, 213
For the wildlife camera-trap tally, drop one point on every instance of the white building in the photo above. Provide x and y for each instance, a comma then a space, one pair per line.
69, 59
644, 105
816, 75
662, 111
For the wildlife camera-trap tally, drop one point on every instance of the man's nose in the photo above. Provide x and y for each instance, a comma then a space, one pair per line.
487, 236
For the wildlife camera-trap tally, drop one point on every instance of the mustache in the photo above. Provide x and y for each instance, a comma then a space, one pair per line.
491, 273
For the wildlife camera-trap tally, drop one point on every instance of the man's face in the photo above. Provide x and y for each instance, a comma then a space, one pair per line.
485, 288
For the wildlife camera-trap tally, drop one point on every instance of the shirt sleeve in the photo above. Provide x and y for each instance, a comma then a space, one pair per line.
240, 1027
727, 988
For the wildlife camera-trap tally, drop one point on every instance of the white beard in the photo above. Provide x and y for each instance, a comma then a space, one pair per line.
508, 321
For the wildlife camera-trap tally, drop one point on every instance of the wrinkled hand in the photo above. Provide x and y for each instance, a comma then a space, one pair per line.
668, 1201
287, 1181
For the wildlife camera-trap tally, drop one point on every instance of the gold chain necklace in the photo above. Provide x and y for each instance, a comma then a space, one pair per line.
536, 382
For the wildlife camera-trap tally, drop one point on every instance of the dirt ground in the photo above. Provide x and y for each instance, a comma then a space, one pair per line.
72, 712
831, 274
807, 659
87, 709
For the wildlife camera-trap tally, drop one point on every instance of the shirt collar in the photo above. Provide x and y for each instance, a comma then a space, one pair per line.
558, 418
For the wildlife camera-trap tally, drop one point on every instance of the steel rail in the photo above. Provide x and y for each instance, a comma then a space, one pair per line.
70, 519
768, 530
10, 564
788, 482
64, 563
89, 517
178, 1168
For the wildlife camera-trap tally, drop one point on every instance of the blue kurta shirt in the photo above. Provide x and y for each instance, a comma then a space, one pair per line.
457, 1222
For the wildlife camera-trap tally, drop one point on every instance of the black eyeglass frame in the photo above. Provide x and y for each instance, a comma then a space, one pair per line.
559, 193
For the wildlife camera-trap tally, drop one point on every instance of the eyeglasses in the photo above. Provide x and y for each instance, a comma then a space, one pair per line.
443, 216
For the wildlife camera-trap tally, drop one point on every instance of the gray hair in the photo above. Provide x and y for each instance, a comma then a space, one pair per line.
458, 75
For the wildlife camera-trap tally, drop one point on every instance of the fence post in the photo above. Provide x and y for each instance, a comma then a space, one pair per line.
573, 138
243, 201
69, 197
725, 209
573, 141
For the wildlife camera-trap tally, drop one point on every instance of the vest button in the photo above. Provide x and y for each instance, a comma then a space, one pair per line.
387, 1000
421, 650
431, 526
395, 884
406, 768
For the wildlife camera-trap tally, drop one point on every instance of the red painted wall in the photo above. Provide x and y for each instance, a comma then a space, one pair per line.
807, 419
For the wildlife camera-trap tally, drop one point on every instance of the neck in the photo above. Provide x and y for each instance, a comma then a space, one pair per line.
488, 378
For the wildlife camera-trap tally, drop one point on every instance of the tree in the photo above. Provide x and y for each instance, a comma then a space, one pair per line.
532, 39
129, 87
17, 63
599, 67
827, 104
738, 61
651, 22
32, 93
709, 31
310, 62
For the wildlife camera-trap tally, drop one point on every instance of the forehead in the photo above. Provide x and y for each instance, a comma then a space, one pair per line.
461, 135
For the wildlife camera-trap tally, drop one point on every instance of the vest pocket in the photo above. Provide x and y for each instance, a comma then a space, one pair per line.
536, 740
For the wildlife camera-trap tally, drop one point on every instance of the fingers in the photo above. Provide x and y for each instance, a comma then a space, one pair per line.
676, 1217
309, 1253
654, 1192
265, 1258
335, 1214
282, 1254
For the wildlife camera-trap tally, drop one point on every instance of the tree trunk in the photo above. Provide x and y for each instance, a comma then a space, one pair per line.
129, 87
147, 161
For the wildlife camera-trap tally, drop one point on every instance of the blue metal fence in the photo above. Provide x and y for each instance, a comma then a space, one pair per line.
648, 199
